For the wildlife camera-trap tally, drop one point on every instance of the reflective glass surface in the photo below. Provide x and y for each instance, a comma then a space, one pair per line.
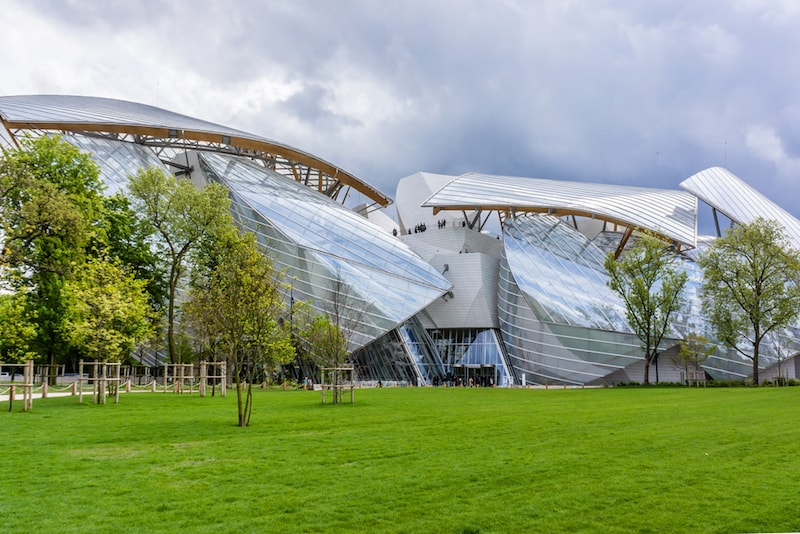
561, 273
117, 160
551, 353
386, 360
320, 243
560, 321
420, 346
119, 117
469, 352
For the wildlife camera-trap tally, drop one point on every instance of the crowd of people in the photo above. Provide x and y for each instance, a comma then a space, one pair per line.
422, 227
451, 380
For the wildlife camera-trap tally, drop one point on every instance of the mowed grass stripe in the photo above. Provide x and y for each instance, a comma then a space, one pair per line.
408, 460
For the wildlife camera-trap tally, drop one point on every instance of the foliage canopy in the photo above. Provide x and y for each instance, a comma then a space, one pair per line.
646, 279
236, 304
751, 286
181, 215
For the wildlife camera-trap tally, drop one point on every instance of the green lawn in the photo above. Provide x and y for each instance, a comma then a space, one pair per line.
408, 460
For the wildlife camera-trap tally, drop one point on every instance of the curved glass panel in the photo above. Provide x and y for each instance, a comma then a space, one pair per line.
561, 273
561, 322
386, 360
420, 346
118, 161
165, 129
87, 109
552, 353
324, 246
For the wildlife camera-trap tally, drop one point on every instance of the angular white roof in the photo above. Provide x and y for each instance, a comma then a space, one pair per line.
728, 194
669, 212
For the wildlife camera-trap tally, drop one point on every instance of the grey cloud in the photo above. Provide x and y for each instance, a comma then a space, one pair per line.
309, 105
630, 92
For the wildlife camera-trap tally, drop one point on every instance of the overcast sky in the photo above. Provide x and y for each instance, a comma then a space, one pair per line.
631, 92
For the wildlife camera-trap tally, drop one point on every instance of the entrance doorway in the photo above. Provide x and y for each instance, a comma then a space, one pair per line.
473, 375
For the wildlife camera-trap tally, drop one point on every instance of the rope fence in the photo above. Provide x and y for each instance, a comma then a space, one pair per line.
107, 379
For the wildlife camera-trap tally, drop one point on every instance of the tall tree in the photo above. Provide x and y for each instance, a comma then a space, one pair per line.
106, 311
750, 286
236, 301
128, 242
49, 210
646, 279
181, 216
17, 328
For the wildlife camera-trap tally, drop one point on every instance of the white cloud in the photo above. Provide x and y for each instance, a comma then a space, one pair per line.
765, 143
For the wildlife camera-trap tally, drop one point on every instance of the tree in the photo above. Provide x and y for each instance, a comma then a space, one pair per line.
107, 311
236, 302
326, 336
50, 208
128, 241
750, 286
52, 198
17, 329
694, 350
781, 347
646, 279
181, 215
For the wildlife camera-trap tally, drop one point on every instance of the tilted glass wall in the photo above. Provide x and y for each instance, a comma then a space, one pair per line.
332, 256
559, 319
547, 353
561, 272
562, 323
324, 247
387, 360
422, 351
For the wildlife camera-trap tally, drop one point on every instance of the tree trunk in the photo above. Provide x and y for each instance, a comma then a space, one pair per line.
248, 405
647, 361
755, 363
171, 319
239, 403
51, 380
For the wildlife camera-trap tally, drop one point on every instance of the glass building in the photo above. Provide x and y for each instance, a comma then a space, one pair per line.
560, 322
479, 280
294, 202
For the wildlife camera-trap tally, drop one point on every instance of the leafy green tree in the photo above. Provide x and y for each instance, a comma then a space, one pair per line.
325, 337
181, 215
107, 311
325, 341
646, 279
17, 329
236, 301
750, 285
128, 241
694, 350
51, 203
326, 344
50, 213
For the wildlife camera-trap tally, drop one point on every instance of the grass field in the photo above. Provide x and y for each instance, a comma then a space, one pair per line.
408, 460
